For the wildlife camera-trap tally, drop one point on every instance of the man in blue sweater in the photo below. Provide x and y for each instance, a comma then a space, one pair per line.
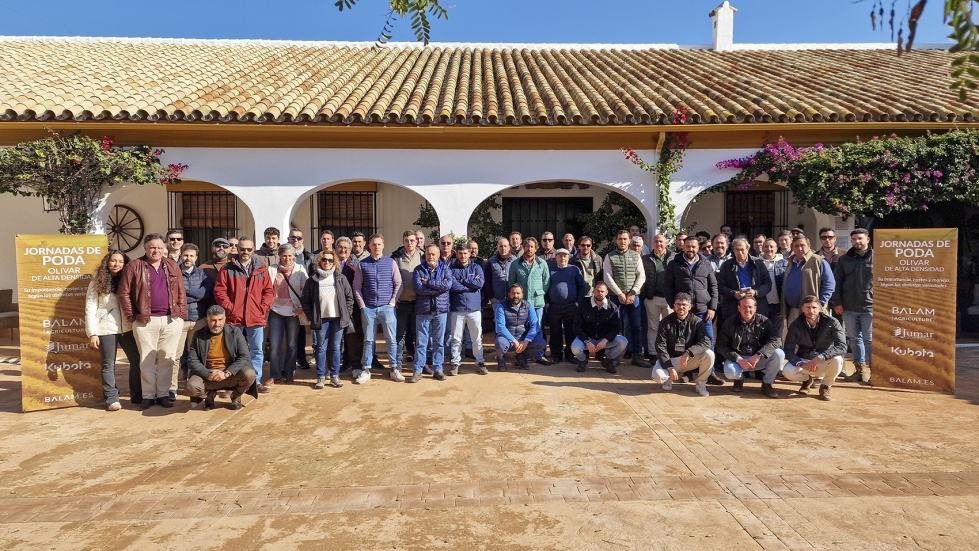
517, 327
465, 303
565, 292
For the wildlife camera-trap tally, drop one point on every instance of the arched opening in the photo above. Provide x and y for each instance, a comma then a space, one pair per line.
365, 206
558, 206
204, 211
766, 208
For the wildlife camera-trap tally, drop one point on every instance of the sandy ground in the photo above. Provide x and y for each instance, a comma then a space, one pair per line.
550, 425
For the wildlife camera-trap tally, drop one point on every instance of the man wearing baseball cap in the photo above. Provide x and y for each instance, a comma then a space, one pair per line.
566, 291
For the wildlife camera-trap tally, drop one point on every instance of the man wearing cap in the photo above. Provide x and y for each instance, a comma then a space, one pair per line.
566, 291
220, 256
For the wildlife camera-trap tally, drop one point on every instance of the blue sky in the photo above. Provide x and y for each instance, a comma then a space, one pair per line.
567, 21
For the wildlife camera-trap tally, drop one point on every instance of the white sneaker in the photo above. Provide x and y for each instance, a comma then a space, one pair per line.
702, 389
365, 376
668, 385
114, 406
396, 374
356, 373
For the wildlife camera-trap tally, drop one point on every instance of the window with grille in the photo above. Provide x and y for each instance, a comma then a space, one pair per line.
344, 212
754, 212
203, 216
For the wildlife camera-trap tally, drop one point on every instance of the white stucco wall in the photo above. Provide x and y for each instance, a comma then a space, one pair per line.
273, 185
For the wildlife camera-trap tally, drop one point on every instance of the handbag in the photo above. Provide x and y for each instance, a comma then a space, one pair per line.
303, 320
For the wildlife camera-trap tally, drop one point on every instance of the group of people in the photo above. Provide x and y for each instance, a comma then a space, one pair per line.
772, 301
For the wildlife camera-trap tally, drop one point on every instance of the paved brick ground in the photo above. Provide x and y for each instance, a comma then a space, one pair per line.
482, 494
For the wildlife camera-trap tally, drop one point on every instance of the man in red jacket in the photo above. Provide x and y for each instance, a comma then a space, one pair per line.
152, 296
244, 290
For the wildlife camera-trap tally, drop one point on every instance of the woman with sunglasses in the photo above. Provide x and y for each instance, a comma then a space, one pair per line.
327, 302
107, 328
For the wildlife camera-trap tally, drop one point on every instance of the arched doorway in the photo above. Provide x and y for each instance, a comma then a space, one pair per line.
365, 206
205, 211
557, 206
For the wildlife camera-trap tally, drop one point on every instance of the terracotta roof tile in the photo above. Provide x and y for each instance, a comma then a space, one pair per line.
120, 79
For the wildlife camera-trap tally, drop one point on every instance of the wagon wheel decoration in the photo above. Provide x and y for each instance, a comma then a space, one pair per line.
124, 228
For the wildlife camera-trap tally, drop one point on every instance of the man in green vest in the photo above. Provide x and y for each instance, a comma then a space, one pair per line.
625, 276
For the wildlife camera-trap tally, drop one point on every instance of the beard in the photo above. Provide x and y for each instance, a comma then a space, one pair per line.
690, 256
515, 301
220, 254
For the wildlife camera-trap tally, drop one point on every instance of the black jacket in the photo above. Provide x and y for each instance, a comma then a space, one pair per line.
597, 323
803, 343
654, 277
855, 282
234, 343
311, 300
728, 284
692, 332
701, 284
734, 330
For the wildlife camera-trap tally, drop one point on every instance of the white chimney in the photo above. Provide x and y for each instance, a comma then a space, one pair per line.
723, 17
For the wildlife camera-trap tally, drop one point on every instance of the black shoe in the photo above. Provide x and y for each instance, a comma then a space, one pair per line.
522, 364
738, 385
637, 360
582, 366
715, 380
543, 361
172, 395
304, 366
209, 400
610, 367
556, 358
768, 390
165, 402
627, 356
501, 366
344, 367
147, 403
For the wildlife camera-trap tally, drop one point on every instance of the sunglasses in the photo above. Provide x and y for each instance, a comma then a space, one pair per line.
446, 243
244, 250
175, 239
222, 246
544, 239
825, 237
326, 261
295, 238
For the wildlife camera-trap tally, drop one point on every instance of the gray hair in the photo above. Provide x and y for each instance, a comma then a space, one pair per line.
216, 310
343, 239
286, 248
741, 240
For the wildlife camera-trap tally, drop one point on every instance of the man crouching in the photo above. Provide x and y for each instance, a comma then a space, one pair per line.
814, 347
682, 344
219, 360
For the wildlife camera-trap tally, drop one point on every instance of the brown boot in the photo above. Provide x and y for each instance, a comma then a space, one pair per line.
865, 373
824, 393
855, 376
804, 389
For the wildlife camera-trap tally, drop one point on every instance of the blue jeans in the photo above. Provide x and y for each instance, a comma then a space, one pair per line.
329, 336
709, 326
425, 325
503, 346
283, 334
613, 349
771, 367
255, 337
631, 323
389, 321
859, 327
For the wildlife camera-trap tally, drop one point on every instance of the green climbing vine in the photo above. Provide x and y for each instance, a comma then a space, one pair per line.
670, 162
